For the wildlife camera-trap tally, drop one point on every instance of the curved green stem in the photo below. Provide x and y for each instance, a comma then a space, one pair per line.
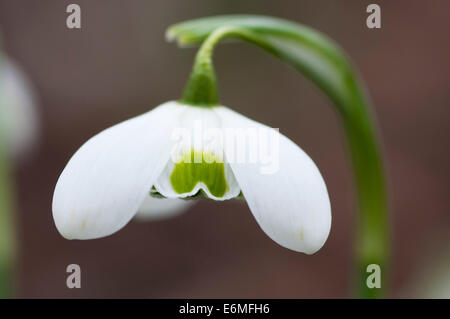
201, 88
6, 232
6, 223
321, 61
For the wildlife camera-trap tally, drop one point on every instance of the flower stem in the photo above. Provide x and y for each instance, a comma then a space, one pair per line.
6, 231
7, 243
320, 60
201, 88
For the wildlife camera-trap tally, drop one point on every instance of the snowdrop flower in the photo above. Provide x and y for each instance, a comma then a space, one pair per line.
107, 180
18, 118
191, 148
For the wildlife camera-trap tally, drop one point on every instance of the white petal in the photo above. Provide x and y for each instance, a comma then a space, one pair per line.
18, 116
291, 205
161, 208
107, 179
201, 132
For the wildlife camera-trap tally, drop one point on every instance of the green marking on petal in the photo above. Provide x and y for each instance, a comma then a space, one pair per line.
197, 167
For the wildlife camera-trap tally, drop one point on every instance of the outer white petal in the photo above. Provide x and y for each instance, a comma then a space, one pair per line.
107, 179
292, 204
161, 208
17, 108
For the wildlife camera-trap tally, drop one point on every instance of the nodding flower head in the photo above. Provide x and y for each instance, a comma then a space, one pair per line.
180, 151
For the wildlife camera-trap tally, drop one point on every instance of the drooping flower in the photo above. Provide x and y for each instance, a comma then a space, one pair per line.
184, 151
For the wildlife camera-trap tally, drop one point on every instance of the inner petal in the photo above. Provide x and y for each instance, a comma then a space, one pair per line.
197, 166
199, 173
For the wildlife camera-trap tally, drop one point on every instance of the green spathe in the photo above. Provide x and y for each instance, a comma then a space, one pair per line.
199, 167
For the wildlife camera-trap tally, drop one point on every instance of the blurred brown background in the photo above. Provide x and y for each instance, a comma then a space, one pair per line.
119, 65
